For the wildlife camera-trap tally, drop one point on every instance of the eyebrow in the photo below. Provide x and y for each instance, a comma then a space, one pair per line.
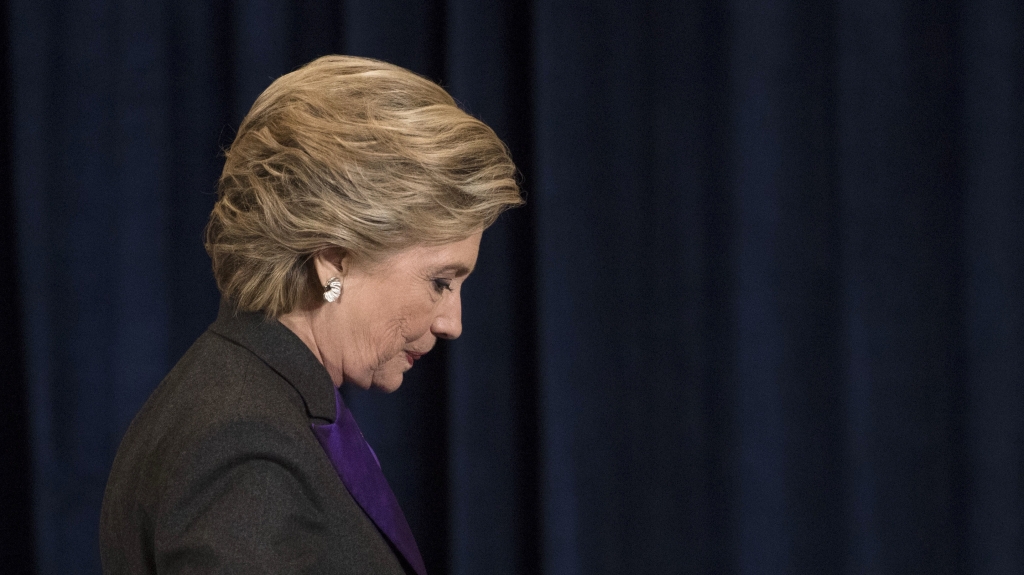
458, 270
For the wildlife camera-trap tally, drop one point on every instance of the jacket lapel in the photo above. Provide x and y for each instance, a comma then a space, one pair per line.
359, 470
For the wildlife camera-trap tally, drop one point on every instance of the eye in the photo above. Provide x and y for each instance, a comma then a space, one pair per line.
441, 284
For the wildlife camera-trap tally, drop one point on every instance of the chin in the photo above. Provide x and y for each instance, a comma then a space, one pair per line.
388, 377
389, 384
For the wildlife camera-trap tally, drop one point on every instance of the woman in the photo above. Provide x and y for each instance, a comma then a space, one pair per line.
349, 213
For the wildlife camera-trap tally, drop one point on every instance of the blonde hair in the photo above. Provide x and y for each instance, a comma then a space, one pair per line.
349, 153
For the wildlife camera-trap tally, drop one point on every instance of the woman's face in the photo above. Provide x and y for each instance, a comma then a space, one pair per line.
389, 313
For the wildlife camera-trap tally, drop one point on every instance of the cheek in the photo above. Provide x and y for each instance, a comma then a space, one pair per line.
415, 322
373, 348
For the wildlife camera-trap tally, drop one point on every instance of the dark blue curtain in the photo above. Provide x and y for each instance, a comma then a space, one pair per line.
763, 313
15, 478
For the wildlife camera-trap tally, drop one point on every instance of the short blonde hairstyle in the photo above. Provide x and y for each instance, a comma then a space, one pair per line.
348, 153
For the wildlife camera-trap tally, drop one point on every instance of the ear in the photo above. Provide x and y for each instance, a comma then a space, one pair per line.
331, 263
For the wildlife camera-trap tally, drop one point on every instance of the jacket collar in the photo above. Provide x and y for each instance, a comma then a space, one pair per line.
284, 352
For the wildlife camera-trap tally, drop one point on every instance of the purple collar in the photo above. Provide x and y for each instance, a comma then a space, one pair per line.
360, 471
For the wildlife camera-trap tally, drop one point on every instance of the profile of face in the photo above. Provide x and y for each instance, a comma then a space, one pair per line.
389, 313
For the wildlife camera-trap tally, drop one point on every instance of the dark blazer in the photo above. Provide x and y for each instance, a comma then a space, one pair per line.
220, 472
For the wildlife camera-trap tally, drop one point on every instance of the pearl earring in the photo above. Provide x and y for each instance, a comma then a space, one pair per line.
332, 290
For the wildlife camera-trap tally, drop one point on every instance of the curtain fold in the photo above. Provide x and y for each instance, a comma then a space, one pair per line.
992, 125
16, 541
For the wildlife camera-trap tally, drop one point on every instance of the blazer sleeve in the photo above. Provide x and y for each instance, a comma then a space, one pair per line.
241, 498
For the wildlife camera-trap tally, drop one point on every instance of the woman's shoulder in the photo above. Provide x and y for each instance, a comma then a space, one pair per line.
217, 382
224, 441
219, 404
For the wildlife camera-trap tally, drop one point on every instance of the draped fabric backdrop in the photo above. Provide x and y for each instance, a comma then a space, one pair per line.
763, 313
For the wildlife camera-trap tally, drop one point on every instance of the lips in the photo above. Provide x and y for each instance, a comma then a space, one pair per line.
412, 356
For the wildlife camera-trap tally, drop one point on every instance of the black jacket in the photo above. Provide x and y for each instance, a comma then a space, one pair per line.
220, 471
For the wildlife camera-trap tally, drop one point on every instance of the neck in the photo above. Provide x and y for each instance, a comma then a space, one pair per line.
301, 324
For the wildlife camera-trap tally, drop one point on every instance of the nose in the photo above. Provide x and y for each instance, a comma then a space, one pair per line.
448, 322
